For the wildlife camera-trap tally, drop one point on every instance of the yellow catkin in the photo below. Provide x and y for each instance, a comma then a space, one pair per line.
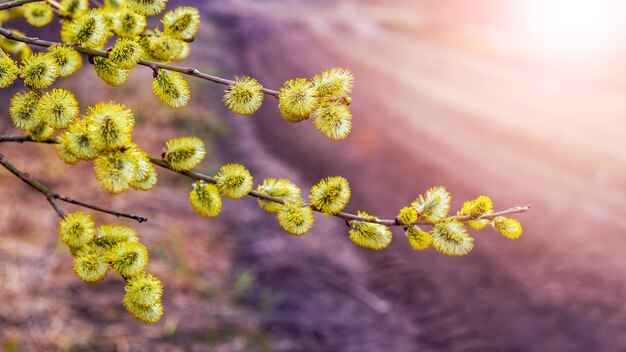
333, 119
185, 153
205, 199
330, 195
407, 216
418, 239
279, 188
128, 258
76, 229
369, 235
182, 23
510, 228
451, 238
245, 96
234, 181
295, 217
297, 100
90, 264
434, 205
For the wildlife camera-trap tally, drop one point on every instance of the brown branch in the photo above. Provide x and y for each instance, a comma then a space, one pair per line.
190, 71
15, 3
345, 216
137, 218
52, 197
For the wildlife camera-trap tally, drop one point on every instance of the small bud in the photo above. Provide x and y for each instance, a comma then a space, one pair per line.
407, 216
475, 208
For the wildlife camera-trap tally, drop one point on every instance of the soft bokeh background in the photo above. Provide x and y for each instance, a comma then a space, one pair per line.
522, 100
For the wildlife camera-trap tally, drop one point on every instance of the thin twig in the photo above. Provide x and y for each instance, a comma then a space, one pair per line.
16, 3
190, 71
346, 216
137, 218
52, 197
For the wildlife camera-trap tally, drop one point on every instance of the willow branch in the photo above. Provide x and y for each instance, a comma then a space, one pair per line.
52, 197
15, 3
190, 71
345, 216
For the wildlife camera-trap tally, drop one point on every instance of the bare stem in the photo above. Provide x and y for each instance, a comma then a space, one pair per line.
190, 71
52, 197
346, 216
15, 3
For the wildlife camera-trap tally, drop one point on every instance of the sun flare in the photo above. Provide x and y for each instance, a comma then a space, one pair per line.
575, 28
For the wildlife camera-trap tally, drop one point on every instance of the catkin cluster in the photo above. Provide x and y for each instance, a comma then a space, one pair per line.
117, 248
331, 195
103, 134
324, 100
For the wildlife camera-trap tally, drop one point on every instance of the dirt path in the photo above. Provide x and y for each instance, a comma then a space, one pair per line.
427, 112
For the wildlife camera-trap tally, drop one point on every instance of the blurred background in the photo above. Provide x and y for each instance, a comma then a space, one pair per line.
521, 100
